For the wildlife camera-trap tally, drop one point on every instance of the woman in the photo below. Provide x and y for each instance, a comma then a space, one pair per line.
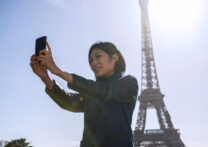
108, 103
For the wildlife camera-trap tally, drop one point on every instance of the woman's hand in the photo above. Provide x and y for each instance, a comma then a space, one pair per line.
47, 60
37, 68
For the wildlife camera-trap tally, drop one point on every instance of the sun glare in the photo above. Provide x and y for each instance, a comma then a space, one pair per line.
175, 13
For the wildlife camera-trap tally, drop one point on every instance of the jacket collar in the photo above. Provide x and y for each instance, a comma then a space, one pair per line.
111, 78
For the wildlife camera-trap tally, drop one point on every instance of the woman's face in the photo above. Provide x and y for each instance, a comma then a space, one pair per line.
101, 63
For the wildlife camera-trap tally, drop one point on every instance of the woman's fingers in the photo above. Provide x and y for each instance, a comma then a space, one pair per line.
34, 62
33, 65
42, 61
49, 48
38, 59
33, 57
37, 64
42, 58
43, 52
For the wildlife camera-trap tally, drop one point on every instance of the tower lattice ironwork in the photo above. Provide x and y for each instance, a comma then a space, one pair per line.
151, 97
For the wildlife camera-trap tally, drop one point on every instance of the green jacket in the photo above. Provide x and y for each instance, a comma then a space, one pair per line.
107, 104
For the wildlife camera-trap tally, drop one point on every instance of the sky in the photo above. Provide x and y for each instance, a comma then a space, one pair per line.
179, 36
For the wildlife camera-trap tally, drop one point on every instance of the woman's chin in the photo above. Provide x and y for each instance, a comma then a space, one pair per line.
98, 75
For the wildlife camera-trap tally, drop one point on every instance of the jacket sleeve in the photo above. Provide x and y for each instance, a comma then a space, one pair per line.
70, 101
124, 90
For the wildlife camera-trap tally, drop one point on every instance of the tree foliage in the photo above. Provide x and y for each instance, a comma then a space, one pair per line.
18, 143
2, 143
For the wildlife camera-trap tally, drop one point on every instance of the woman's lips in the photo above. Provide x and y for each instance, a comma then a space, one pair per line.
97, 69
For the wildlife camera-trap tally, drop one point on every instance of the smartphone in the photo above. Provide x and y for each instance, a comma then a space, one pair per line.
40, 44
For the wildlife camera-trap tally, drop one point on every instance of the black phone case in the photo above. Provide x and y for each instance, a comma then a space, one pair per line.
40, 45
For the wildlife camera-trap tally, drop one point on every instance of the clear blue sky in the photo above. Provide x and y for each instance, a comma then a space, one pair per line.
179, 33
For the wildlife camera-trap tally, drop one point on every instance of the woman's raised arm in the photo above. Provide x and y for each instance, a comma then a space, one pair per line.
73, 102
124, 90
48, 82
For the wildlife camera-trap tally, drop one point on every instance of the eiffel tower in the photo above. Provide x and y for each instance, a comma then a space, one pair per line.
151, 97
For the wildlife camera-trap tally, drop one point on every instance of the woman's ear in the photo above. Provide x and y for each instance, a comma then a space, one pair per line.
115, 57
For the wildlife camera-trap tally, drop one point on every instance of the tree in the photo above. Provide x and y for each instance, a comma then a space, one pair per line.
18, 143
2, 143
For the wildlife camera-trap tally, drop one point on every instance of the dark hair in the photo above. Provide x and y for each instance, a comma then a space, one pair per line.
110, 49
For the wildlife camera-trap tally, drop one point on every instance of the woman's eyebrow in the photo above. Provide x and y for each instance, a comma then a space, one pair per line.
96, 54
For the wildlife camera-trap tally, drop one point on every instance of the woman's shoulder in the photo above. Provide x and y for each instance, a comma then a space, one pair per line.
128, 80
129, 77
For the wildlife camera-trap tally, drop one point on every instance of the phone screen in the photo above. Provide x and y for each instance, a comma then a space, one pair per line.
40, 45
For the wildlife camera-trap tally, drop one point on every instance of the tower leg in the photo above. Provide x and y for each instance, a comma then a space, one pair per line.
141, 117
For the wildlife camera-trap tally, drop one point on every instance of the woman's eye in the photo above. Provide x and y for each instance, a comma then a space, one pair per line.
99, 56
